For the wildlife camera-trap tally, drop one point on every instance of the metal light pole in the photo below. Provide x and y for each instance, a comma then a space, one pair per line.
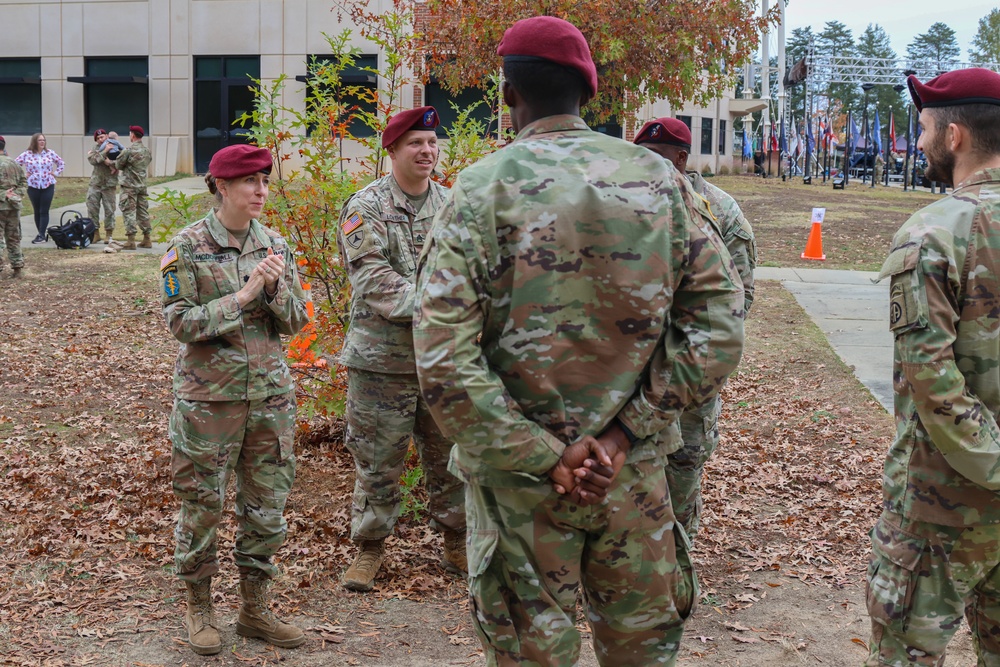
864, 173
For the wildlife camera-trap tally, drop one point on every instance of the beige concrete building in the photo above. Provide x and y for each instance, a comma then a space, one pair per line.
182, 70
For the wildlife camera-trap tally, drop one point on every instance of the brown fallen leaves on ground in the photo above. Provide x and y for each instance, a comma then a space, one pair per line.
87, 511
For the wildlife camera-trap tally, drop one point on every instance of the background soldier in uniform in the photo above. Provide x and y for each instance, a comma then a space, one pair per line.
551, 348
101, 190
13, 189
936, 547
699, 425
382, 231
230, 288
132, 165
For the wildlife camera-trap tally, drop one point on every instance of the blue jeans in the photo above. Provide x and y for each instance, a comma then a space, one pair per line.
41, 200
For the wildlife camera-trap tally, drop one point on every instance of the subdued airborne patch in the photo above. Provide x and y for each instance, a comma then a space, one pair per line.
168, 259
902, 310
352, 223
171, 284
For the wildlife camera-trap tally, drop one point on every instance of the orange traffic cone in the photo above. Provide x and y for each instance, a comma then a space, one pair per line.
814, 246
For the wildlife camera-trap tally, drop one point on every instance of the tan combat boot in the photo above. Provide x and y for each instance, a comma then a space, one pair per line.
146, 241
130, 242
257, 620
202, 628
454, 559
18, 271
107, 237
360, 576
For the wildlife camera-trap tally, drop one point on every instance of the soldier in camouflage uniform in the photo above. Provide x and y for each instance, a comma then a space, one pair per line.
698, 426
230, 289
550, 347
936, 547
13, 189
382, 231
102, 188
132, 165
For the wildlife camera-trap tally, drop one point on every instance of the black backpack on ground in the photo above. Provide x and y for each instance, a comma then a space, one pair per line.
79, 232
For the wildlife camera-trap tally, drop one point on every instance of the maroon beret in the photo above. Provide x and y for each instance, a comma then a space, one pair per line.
552, 39
99, 132
974, 85
424, 118
665, 131
240, 160
137, 130
2, 139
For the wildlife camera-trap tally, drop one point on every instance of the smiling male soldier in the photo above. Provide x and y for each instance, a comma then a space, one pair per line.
382, 231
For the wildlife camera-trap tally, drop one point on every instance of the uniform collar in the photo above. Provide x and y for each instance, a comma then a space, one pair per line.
402, 202
697, 180
980, 177
255, 241
558, 123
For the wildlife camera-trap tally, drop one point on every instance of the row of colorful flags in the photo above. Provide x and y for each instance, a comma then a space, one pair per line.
797, 144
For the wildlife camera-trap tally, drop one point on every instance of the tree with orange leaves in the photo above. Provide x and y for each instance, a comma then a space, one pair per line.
683, 50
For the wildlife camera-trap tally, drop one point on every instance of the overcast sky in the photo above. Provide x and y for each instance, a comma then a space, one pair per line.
902, 20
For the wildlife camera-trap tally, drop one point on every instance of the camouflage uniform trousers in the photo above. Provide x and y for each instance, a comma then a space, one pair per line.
95, 198
10, 238
921, 578
530, 550
700, 436
383, 411
135, 208
211, 439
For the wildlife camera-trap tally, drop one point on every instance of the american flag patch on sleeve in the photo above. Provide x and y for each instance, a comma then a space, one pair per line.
168, 259
352, 223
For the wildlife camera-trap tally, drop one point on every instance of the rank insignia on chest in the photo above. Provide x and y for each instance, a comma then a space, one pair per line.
171, 285
355, 239
352, 223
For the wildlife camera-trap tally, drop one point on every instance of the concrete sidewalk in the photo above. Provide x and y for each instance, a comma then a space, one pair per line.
853, 314
191, 185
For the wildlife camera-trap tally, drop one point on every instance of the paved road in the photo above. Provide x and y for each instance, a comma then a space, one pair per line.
192, 185
853, 313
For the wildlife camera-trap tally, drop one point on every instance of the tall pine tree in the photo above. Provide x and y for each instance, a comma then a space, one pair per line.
986, 43
936, 49
874, 44
838, 40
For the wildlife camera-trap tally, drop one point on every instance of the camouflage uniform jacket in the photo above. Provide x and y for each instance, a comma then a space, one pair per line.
11, 176
944, 465
101, 178
132, 165
228, 353
546, 303
736, 231
380, 238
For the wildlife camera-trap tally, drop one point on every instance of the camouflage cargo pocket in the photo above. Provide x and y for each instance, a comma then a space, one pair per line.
195, 462
687, 590
892, 573
481, 546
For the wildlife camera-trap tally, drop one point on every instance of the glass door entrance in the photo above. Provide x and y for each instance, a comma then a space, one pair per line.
222, 93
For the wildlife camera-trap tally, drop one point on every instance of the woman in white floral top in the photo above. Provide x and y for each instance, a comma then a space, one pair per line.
41, 166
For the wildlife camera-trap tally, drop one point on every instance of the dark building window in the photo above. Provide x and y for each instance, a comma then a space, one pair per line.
359, 74
686, 120
722, 137
223, 92
706, 136
441, 99
116, 93
20, 95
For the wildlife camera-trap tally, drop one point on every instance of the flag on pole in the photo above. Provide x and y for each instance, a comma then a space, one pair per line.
829, 137
892, 132
855, 135
822, 133
774, 137
747, 150
810, 143
877, 133
910, 141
